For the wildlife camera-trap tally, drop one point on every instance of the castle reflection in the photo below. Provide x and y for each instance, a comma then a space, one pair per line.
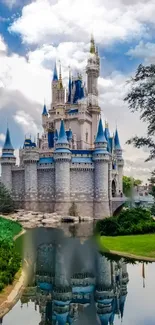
68, 277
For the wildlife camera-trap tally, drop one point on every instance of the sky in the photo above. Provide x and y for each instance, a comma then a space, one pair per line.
33, 34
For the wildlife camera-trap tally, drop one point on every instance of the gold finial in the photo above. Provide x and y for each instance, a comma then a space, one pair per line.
106, 125
60, 78
92, 45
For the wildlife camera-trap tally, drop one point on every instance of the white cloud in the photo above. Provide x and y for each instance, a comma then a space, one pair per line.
144, 51
2, 137
3, 46
70, 20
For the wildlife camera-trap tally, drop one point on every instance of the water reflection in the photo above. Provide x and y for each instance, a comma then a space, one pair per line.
70, 282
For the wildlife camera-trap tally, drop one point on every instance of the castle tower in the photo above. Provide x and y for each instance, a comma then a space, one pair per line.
8, 160
62, 157
30, 160
44, 116
107, 136
93, 71
54, 86
101, 161
60, 90
120, 161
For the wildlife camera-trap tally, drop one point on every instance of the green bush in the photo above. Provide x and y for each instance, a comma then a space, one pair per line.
10, 262
10, 259
129, 222
6, 202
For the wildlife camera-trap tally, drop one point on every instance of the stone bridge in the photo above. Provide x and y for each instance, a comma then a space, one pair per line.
117, 203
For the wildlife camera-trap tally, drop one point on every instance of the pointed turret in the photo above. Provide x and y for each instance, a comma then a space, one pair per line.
62, 139
60, 85
44, 113
100, 138
92, 45
116, 141
107, 136
55, 74
8, 144
8, 160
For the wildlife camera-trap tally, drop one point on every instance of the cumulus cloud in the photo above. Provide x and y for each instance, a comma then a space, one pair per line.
3, 46
144, 51
66, 20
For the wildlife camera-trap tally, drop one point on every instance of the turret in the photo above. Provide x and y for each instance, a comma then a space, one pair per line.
107, 136
62, 156
8, 160
101, 161
93, 71
44, 116
120, 161
30, 160
54, 85
60, 90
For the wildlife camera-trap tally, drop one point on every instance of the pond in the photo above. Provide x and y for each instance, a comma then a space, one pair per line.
71, 282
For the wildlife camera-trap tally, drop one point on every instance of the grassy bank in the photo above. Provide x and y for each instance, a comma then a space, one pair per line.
10, 259
140, 245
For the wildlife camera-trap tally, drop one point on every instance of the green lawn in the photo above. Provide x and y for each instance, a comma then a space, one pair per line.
140, 245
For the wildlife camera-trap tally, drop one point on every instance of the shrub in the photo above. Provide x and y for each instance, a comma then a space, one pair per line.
73, 210
6, 202
129, 222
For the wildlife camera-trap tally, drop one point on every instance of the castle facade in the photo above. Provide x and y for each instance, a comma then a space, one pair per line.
76, 160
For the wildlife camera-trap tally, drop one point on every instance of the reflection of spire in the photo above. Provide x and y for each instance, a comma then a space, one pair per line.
143, 274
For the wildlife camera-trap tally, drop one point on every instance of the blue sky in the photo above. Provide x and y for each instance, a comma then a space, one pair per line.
34, 34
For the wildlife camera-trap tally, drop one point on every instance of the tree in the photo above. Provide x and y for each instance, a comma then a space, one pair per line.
152, 184
128, 182
141, 97
6, 202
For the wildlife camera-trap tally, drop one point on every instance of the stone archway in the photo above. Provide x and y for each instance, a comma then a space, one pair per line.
113, 187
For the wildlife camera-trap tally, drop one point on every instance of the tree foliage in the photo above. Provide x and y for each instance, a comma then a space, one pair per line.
141, 97
6, 201
128, 182
129, 222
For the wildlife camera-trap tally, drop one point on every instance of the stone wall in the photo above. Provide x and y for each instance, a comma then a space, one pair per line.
82, 184
18, 184
46, 184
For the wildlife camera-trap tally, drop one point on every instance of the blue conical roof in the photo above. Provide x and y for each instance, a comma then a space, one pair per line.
8, 144
44, 110
116, 141
100, 138
56, 135
55, 74
62, 139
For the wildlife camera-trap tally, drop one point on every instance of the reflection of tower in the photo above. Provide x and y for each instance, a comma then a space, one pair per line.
104, 294
62, 293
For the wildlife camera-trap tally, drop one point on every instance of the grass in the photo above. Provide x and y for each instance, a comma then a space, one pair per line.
139, 245
8, 229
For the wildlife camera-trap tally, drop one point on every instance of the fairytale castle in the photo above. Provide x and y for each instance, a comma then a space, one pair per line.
76, 160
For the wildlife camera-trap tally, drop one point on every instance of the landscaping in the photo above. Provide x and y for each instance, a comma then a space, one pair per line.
131, 232
138, 245
10, 259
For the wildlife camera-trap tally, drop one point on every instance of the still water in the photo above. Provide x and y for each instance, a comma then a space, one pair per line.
71, 282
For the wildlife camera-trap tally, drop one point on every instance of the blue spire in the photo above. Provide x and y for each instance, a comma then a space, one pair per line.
100, 138
55, 74
8, 144
44, 110
56, 135
62, 139
116, 141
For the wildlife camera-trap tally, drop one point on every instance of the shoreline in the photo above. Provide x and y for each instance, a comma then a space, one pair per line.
11, 293
132, 256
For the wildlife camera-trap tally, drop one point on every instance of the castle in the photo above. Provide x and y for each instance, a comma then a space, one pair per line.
75, 160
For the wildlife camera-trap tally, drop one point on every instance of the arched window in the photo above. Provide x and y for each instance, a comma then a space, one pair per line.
113, 188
